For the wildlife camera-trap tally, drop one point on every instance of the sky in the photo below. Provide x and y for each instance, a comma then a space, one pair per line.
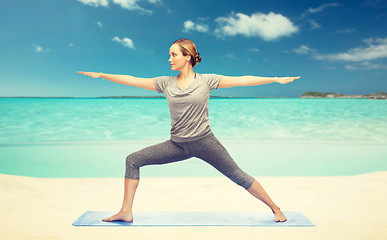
335, 46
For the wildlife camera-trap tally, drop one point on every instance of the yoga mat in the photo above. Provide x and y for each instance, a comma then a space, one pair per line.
253, 219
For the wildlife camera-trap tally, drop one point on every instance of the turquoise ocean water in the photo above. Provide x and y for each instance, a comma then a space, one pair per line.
35, 132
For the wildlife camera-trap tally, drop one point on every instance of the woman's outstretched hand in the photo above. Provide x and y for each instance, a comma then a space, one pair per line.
284, 80
91, 74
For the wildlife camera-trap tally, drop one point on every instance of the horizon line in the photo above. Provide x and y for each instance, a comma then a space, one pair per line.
337, 95
137, 97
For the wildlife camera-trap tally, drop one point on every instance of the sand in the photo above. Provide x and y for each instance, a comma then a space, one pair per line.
342, 207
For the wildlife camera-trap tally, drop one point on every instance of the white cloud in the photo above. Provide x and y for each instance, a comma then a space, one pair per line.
365, 66
346, 31
127, 4
154, 1
191, 26
314, 24
368, 40
229, 55
72, 45
376, 49
95, 3
351, 67
359, 58
322, 8
303, 50
131, 5
269, 26
254, 50
40, 49
376, 4
99, 24
126, 42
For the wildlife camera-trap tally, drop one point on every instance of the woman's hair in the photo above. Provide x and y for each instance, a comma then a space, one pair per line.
187, 47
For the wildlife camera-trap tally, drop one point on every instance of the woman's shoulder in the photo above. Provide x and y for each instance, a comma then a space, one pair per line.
211, 79
207, 76
163, 82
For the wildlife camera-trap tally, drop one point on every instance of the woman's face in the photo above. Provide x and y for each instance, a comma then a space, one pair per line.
176, 58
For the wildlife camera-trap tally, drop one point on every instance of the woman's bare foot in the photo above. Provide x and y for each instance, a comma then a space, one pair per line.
279, 216
121, 216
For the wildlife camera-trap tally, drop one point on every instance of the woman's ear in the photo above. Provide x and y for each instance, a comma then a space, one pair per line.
188, 57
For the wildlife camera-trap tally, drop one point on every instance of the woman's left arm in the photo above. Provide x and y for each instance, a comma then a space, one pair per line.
226, 81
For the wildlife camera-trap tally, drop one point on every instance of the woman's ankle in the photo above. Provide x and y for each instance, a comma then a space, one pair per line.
126, 211
276, 209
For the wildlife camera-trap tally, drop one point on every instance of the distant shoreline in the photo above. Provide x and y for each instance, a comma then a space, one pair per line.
305, 95
338, 95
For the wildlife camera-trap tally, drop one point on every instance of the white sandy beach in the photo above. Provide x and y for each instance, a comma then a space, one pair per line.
350, 207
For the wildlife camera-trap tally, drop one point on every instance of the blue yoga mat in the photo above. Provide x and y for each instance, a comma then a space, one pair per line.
254, 219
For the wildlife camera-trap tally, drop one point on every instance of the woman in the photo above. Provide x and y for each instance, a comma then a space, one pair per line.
191, 135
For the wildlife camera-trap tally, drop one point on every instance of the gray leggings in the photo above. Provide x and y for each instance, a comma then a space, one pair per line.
208, 149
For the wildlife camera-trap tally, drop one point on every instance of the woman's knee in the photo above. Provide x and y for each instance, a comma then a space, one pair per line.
132, 169
132, 161
241, 178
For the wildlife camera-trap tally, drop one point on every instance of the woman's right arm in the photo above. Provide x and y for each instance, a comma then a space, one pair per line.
146, 83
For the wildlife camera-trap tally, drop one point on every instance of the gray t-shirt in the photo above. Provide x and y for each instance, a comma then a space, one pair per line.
188, 107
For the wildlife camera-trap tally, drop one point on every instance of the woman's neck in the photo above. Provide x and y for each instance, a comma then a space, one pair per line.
186, 74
